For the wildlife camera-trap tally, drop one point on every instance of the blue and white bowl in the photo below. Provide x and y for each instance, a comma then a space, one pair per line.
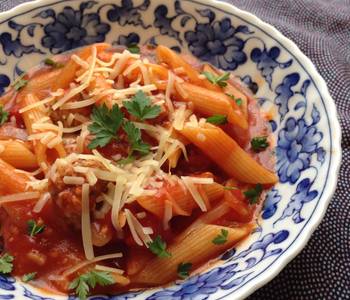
305, 125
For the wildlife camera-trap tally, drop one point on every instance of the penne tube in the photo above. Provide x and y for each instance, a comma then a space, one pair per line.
67, 73
34, 115
210, 103
180, 197
175, 61
17, 154
196, 248
229, 89
11, 181
228, 155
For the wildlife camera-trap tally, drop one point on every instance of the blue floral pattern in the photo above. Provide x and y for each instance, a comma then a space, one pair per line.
230, 43
217, 42
266, 61
4, 83
73, 28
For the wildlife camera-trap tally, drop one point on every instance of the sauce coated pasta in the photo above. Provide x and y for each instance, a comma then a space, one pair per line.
127, 169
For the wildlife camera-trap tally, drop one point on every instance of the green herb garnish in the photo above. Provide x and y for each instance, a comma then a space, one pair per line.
135, 140
183, 270
20, 82
29, 276
3, 115
158, 247
134, 48
105, 125
53, 64
237, 100
141, 107
220, 80
34, 228
253, 194
217, 119
6, 263
221, 238
259, 143
84, 282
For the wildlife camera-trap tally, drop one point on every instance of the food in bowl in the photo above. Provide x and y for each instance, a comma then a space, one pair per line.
127, 168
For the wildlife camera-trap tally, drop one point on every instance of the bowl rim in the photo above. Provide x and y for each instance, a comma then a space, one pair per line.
263, 277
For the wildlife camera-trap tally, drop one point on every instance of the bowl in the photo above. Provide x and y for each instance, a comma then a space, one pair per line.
284, 81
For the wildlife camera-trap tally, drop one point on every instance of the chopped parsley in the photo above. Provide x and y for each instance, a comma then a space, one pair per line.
34, 228
20, 82
259, 143
158, 247
221, 238
84, 282
53, 64
3, 115
135, 140
183, 270
28, 277
217, 119
141, 107
220, 80
134, 48
237, 100
254, 193
6, 263
105, 125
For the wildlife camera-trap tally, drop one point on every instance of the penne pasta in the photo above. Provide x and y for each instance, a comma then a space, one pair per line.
236, 95
32, 116
174, 61
18, 154
227, 154
210, 103
196, 248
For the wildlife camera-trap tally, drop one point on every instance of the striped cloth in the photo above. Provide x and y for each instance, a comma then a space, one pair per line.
321, 28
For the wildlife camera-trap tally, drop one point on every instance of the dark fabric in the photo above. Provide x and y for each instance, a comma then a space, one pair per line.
321, 28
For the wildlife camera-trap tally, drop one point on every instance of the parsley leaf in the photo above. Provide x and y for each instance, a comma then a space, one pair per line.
53, 64
34, 228
134, 48
158, 247
135, 140
20, 82
221, 238
141, 107
3, 116
183, 270
28, 277
253, 194
6, 263
218, 80
217, 119
259, 143
238, 100
105, 125
84, 282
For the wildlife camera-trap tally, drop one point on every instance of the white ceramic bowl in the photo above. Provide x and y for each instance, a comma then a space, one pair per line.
306, 126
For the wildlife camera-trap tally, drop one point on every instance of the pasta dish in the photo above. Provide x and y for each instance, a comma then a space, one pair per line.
125, 168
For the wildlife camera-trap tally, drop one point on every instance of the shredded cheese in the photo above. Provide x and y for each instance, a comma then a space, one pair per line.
89, 262
85, 223
44, 198
19, 197
194, 192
